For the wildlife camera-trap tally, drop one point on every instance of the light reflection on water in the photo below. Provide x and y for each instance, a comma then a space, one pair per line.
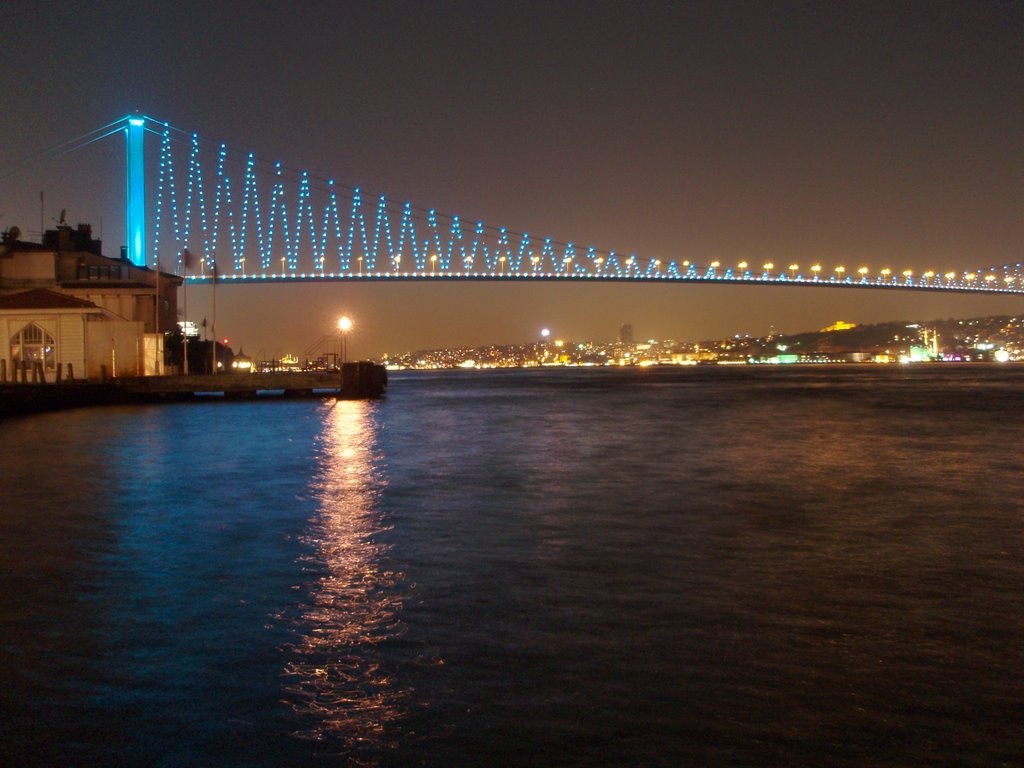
335, 680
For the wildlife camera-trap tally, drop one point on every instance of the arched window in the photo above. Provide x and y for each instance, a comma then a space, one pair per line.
34, 345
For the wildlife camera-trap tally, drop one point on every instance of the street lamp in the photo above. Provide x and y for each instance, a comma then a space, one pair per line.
282, 265
792, 271
433, 262
344, 325
816, 269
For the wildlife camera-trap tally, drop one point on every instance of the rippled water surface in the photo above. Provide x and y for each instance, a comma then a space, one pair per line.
645, 567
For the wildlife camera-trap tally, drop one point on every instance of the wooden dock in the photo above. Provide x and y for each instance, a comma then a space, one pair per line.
355, 381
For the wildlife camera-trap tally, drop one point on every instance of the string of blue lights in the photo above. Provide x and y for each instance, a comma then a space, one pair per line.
296, 226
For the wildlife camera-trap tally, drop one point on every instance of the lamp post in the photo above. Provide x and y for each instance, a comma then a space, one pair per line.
344, 325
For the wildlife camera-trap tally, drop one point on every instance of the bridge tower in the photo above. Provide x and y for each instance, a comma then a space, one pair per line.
135, 194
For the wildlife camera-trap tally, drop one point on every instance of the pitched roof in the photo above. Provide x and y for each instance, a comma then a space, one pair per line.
41, 298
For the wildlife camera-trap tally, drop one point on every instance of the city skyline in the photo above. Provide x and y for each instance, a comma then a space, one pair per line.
853, 135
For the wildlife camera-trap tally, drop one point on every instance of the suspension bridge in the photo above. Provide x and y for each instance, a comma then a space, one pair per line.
207, 212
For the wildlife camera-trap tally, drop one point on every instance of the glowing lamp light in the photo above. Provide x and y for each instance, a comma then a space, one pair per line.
544, 333
344, 324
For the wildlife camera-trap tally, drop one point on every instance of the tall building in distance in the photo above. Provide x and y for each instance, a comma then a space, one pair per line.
626, 334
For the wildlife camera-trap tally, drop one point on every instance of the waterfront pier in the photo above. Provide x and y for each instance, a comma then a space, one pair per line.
354, 381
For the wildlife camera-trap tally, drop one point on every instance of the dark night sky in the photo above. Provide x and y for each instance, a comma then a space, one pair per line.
850, 133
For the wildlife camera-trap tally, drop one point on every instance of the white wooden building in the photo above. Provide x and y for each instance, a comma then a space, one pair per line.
51, 328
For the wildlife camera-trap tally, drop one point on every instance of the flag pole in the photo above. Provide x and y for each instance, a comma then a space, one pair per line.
185, 258
213, 327
157, 306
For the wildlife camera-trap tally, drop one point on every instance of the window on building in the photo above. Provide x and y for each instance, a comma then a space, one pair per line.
33, 345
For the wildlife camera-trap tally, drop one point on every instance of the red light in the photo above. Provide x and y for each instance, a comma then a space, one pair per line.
224, 341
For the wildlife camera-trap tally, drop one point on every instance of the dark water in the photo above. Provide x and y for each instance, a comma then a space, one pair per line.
689, 567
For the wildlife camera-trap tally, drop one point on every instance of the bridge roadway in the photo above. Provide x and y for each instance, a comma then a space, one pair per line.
554, 277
